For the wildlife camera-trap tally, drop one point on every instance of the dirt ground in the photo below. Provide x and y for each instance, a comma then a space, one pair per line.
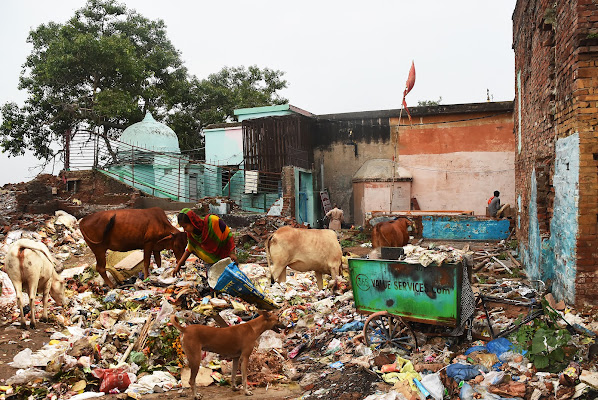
354, 383
13, 339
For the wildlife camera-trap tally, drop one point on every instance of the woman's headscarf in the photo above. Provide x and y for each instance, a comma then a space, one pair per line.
194, 218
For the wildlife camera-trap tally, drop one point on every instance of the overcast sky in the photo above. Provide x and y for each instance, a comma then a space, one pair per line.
338, 56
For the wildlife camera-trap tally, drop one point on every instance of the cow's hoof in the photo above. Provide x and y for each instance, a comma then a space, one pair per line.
248, 393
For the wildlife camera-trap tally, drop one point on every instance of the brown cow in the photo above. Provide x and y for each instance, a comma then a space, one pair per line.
304, 250
131, 229
392, 233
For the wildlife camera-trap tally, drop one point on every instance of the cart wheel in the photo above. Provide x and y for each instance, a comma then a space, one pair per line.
385, 330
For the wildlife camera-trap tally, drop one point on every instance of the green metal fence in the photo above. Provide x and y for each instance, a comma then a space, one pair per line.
174, 176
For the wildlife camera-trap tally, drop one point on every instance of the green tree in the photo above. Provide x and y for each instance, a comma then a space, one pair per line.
97, 72
214, 99
427, 103
104, 68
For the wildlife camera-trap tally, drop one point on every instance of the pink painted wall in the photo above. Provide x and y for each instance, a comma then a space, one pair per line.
458, 166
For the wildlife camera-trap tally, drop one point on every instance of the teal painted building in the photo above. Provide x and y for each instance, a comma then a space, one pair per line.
224, 149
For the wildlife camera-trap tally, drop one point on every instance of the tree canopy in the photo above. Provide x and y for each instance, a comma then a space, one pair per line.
427, 103
105, 67
214, 99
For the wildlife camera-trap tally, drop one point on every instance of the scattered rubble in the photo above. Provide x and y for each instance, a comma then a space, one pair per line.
120, 340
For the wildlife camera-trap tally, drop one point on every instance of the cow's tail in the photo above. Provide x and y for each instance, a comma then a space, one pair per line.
107, 229
41, 248
267, 246
176, 324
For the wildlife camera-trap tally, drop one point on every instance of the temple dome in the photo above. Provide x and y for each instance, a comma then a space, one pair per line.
152, 135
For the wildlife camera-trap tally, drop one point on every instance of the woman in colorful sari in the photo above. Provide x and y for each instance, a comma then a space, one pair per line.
209, 238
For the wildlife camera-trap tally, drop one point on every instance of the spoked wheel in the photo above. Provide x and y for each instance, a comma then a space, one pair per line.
385, 330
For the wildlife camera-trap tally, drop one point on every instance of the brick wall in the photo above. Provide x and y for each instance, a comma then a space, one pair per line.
556, 107
585, 106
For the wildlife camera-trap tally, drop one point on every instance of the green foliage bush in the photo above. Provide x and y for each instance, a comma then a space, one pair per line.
544, 341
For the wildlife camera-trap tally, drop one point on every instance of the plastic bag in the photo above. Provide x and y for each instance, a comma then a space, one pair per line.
493, 378
499, 346
434, 385
487, 359
64, 218
392, 395
233, 281
22, 359
112, 379
165, 311
146, 384
334, 346
475, 348
24, 376
350, 326
270, 340
466, 392
9, 296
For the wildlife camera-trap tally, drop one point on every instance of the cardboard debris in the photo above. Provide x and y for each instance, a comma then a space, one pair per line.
203, 378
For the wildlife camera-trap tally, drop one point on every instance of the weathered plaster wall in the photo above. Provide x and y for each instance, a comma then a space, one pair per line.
553, 256
224, 146
461, 180
457, 159
557, 163
375, 196
458, 166
564, 224
537, 255
340, 164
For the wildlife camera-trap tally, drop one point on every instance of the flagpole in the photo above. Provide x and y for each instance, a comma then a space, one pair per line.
394, 162
408, 86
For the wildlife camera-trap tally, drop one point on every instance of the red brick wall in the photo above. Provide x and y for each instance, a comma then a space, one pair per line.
556, 55
585, 109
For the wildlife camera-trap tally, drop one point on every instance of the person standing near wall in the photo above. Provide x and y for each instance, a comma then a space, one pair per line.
494, 207
335, 216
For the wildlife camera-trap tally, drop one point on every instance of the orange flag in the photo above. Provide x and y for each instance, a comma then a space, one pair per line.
408, 86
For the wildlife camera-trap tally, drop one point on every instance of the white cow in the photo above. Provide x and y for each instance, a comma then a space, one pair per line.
31, 267
304, 250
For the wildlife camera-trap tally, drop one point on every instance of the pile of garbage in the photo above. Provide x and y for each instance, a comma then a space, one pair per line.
121, 341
